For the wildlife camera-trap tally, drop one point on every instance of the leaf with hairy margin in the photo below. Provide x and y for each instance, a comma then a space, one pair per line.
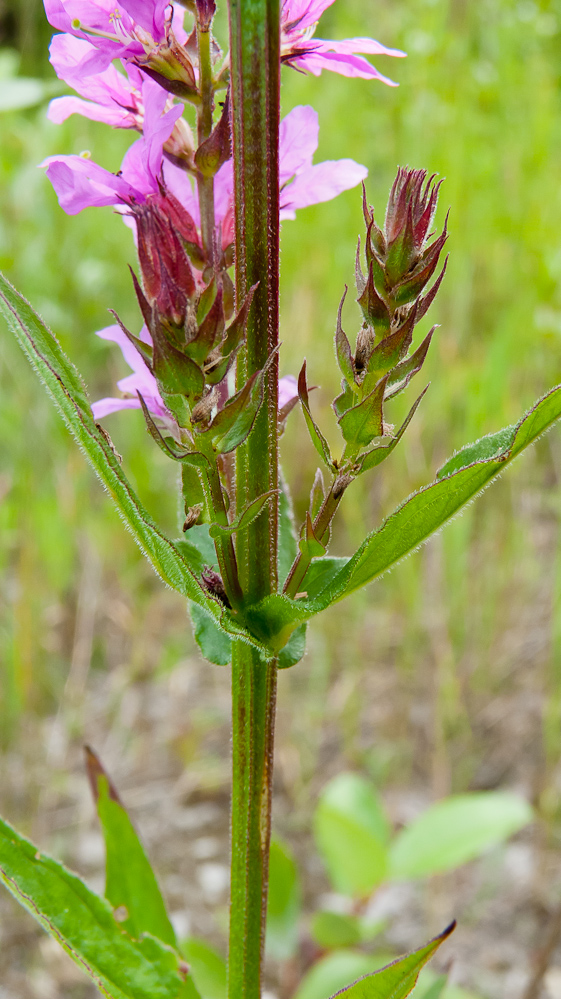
84, 925
65, 386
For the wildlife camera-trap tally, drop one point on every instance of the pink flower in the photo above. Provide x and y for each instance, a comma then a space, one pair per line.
80, 183
142, 380
110, 96
129, 29
299, 20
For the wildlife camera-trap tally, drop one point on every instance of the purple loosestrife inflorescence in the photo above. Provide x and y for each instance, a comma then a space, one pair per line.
312, 55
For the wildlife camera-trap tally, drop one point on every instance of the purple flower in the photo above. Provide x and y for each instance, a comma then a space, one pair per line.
142, 380
130, 29
80, 183
110, 96
299, 19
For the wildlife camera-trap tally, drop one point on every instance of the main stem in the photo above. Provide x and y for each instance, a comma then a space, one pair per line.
255, 94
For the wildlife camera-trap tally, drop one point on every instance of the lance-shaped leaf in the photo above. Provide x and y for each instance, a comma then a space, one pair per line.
382, 451
343, 347
309, 544
374, 309
84, 925
245, 518
63, 383
398, 979
411, 524
462, 478
365, 421
317, 494
318, 440
209, 333
387, 444
233, 423
287, 547
130, 882
402, 374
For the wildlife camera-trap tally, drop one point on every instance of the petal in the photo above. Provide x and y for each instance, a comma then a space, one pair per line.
346, 65
103, 407
62, 107
349, 46
298, 140
80, 183
288, 390
149, 14
303, 13
321, 183
115, 334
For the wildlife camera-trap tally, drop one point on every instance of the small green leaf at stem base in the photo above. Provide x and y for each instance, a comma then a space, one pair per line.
456, 830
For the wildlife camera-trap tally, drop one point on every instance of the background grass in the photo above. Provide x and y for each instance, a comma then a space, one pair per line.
472, 621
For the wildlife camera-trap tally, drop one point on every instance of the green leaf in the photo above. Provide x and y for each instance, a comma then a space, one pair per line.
84, 925
208, 968
423, 513
333, 929
294, 649
130, 883
318, 440
351, 832
287, 534
67, 390
250, 513
283, 909
398, 979
456, 830
335, 970
213, 643
309, 544
320, 572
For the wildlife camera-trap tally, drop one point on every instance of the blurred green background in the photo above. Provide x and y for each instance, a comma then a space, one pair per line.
446, 675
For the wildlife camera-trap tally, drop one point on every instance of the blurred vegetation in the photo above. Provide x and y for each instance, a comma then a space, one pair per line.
479, 102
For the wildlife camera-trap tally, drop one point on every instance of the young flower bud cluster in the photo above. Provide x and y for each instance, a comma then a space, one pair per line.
183, 305
401, 259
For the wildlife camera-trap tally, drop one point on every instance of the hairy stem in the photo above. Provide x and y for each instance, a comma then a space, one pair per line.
205, 185
253, 711
255, 94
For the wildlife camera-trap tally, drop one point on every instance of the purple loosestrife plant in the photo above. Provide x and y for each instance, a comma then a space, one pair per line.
204, 203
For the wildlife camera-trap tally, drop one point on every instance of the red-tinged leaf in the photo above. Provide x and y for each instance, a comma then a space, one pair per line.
398, 979
318, 440
209, 333
343, 347
214, 151
402, 374
374, 308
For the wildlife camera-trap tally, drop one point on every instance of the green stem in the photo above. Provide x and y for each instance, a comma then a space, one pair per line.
255, 95
321, 527
205, 185
253, 710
